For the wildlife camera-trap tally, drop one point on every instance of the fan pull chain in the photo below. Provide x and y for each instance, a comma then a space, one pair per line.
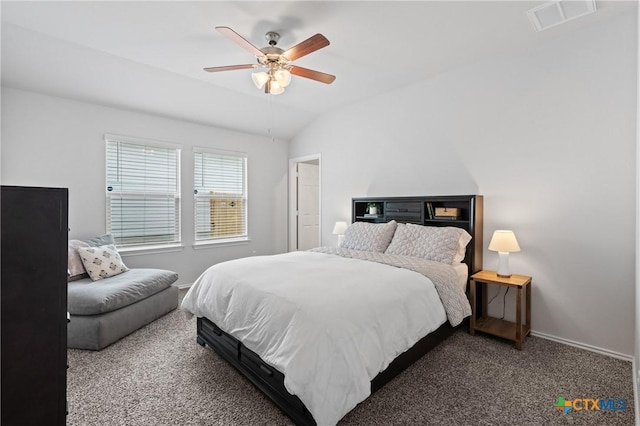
271, 118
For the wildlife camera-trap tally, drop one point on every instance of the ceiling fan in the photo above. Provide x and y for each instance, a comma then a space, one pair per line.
275, 63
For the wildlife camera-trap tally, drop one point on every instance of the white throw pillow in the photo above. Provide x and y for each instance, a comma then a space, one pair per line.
75, 267
102, 262
365, 236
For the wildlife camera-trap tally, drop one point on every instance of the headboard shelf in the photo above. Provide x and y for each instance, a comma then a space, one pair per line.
421, 211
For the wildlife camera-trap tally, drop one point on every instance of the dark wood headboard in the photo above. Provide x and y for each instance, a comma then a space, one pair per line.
420, 210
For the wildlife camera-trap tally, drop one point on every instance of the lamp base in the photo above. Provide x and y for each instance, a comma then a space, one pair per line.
503, 265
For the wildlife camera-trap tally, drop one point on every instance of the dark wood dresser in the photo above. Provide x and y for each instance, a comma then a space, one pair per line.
34, 305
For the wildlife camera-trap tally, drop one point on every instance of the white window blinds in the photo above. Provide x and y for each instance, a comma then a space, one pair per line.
220, 195
143, 192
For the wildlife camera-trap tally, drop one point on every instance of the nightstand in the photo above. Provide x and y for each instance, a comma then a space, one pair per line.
498, 327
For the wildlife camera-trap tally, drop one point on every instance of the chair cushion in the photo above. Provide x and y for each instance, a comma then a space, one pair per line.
87, 297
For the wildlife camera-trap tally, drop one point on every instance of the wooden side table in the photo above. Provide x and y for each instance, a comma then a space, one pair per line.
495, 326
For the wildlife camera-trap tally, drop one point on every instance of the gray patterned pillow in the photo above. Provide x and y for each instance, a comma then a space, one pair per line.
102, 262
366, 236
440, 244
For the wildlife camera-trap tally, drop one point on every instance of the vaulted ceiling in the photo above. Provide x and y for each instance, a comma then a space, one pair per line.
148, 56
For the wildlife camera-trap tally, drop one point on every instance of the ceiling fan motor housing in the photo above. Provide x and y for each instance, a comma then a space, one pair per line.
272, 55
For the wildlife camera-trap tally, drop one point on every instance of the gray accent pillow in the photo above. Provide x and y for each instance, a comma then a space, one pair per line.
102, 240
75, 268
437, 243
365, 236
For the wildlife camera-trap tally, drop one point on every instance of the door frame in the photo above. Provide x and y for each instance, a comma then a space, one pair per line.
293, 198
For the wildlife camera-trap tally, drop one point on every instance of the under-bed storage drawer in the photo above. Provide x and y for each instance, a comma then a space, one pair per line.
212, 333
273, 378
404, 211
265, 377
259, 367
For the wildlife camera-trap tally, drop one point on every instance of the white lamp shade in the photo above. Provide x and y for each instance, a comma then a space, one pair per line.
340, 228
283, 77
275, 88
259, 79
504, 241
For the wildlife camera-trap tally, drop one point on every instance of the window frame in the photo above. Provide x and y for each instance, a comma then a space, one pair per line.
141, 247
200, 242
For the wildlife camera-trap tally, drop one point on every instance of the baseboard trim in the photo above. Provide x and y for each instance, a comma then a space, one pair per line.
636, 397
579, 345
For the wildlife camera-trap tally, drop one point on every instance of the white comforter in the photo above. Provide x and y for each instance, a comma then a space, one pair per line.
329, 323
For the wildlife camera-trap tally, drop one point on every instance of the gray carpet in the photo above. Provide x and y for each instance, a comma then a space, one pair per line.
160, 376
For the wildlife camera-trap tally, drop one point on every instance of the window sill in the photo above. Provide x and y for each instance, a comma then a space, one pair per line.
140, 250
221, 242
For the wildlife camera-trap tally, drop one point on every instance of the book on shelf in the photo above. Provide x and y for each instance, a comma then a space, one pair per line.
372, 215
430, 213
447, 217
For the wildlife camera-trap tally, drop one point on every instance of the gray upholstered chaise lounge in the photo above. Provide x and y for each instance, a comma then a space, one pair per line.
119, 302
106, 310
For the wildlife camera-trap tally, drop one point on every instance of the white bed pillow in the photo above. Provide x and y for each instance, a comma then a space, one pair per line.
464, 240
102, 262
365, 236
437, 243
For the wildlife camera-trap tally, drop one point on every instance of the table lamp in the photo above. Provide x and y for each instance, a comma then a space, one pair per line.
339, 229
504, 242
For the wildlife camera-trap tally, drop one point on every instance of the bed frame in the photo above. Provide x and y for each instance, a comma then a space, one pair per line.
401, 209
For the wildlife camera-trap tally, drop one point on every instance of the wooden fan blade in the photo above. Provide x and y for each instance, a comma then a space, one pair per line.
230, 68
313, 75
303, 48
239, 40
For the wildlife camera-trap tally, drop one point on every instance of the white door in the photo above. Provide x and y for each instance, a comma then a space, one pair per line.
308, 206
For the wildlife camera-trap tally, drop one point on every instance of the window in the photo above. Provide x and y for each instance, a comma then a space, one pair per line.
220, 195
143, 192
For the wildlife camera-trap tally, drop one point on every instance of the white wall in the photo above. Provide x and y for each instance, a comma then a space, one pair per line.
636, 353
50, 141
547, 135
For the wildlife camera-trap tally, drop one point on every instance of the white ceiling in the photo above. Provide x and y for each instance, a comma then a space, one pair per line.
148, 56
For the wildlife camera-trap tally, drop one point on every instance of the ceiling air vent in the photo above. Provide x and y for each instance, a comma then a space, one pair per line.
558, 12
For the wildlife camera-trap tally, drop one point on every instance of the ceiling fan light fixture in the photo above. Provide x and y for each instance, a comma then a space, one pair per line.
275, 88
283, 77
260, 79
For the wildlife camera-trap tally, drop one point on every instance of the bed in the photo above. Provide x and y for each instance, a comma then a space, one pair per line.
319, 331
